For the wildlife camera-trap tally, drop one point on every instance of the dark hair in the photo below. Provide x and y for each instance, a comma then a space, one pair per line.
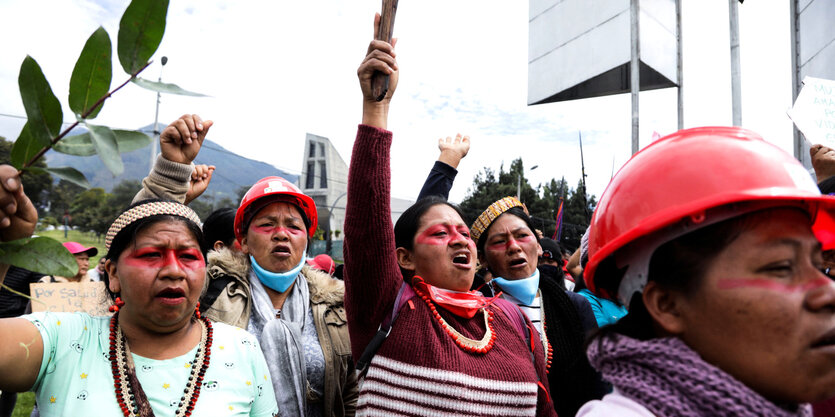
678, 265
516, 211
128, 234
409, 222
220, 226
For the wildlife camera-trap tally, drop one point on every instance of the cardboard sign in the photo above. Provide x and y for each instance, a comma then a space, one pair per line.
814, 111
88, 297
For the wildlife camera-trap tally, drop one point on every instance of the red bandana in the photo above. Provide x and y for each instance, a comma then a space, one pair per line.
462, 304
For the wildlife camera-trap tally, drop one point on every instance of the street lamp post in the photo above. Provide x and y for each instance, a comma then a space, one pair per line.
329, 245
519, 182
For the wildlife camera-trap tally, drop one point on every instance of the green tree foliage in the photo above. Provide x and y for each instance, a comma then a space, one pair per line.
37, 185
61, 198
123, 193
542, 201
90, 211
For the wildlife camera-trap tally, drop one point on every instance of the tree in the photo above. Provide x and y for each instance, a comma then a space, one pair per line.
91, 211
37, 185
122, 194
61, 197
542, 202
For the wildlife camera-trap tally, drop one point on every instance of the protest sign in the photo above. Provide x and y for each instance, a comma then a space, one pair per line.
89, 297
814, 111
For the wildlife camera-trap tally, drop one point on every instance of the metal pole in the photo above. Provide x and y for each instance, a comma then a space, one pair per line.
635, 71
518, 186
329, 245
583, 178
679, 66
736, 83
156, 121
795, 50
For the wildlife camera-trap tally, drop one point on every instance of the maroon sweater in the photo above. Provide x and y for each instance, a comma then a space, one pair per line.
419, 369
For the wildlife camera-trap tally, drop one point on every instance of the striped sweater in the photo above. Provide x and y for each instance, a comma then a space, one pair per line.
419, 369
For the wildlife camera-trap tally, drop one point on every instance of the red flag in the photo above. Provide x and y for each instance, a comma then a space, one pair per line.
558, 229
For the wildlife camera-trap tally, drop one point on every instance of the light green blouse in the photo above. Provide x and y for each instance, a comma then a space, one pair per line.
75, 378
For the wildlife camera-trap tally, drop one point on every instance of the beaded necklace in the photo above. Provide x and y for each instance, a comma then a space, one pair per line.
121, 363
549, 350
470, 345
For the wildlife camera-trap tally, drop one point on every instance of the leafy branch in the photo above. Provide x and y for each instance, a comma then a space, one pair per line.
77, 122
140, 34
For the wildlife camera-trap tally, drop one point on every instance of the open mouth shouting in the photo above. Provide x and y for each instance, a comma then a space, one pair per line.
281, 251
171, 296
461, 259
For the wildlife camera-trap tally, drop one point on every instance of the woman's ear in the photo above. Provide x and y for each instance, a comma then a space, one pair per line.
218, 245
112, 277
404, 259
664, 306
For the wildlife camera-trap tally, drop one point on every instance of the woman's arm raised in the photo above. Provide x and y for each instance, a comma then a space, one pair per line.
371, 272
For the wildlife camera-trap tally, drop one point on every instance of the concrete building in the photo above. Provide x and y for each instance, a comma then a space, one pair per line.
325, 178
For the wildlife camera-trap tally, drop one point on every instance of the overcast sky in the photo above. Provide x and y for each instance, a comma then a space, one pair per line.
278, 69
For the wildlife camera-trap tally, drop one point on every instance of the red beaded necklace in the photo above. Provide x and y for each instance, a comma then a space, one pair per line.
121, 363
470, 345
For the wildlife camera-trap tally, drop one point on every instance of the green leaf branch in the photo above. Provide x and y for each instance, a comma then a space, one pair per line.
64, 133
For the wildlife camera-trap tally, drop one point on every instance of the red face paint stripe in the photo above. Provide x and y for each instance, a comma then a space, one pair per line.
509, 242
160, 257
271, 230
767, 284
431, 235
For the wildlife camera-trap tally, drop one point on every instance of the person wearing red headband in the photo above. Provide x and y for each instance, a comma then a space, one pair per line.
712, 238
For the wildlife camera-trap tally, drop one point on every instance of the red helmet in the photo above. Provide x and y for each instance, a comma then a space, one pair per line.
275, 187
686, 181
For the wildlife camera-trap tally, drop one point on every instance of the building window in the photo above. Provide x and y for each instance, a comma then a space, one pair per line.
312, 152
322, 150
323, 175
310, 173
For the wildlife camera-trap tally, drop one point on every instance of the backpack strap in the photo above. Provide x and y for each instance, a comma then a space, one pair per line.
215, 287
405, 294
517, 317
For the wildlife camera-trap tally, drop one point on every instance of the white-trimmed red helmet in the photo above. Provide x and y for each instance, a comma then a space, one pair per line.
688, 180
279, 189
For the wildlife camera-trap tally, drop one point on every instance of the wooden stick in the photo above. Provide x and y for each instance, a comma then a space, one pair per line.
380, 81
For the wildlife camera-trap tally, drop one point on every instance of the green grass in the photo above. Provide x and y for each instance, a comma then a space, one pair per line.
25, 402
85, 238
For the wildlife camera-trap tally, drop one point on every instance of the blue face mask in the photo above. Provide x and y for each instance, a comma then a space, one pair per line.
523, 289
279, 281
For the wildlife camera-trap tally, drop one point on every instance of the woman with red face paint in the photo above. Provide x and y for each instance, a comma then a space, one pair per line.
712, 237
509, 249
295, 311
262, 283
440, 348
156, 355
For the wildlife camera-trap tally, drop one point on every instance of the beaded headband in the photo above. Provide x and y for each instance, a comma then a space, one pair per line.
493, 211
147, 210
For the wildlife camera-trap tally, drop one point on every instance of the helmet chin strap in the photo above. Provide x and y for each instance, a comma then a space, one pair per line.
636, 256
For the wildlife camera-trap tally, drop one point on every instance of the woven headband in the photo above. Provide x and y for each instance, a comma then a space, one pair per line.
495, 210
147, 210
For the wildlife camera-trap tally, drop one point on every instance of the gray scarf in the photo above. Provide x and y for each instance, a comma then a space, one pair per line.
281, 342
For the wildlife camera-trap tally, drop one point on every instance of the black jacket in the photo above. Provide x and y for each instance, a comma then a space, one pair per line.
568, 319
